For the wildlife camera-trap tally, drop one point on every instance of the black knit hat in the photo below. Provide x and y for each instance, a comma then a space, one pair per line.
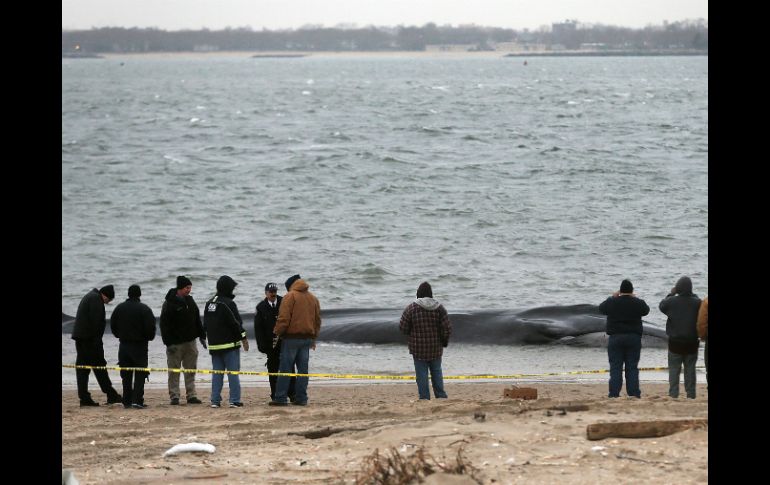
626, 287
182, 282
134, 291
108, 291
271, 287
291, 281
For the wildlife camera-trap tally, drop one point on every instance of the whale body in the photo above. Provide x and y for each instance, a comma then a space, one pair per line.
576, 325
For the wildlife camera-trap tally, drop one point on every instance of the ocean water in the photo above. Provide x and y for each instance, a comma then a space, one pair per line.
504, 185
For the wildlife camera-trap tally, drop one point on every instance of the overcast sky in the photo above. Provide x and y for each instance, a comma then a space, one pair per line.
281, 14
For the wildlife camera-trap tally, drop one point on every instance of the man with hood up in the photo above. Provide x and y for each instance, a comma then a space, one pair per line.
180, 325
426, 322
681, 306
224, 327
298, 326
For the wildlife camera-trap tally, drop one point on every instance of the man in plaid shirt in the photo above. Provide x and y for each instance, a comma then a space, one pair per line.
426, 323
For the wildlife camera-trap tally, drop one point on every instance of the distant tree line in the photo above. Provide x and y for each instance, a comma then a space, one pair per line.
690, 34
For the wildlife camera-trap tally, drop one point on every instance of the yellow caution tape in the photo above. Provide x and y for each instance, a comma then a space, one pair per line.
345, 376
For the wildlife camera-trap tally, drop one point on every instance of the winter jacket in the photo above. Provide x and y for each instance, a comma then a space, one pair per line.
425, 322
133, 321
703, 319
624, 314
682, 308
264, 323
300, 314
180, 319
221, 319
90, 319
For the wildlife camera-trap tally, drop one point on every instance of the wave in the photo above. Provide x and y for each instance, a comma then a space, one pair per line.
575, 325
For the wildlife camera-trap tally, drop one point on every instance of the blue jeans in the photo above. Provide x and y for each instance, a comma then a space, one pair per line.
421, 368
294, 351
227, 360
675, 362
624, 349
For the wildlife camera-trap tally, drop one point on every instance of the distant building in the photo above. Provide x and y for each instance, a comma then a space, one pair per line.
565, 33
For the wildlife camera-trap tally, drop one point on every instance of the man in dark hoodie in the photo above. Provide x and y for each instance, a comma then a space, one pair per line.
268, 342
681, 306
134, 324
298, 325
224, 327
90, 322
624, 326
180, 325
426, 323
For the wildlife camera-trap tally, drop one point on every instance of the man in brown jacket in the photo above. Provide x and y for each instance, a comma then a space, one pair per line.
298, 325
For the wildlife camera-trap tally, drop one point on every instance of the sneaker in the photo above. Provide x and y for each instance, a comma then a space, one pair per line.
277, 403
138, 406
194, 400
126, 406
175, 401
215, 405
236, 404
84, 404
117, 398
298, 403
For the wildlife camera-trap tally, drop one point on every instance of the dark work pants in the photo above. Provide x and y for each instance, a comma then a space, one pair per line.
91, 352
624, 351
133, 354
273, 364
706, 358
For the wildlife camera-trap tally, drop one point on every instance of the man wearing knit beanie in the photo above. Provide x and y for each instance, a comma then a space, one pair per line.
298, 326
180, 326
90, 322
133, 324
624, 326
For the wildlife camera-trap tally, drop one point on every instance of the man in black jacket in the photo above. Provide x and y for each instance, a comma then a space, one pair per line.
624, 326
267, 342
90, 322
224, 328
134, 324
180, 325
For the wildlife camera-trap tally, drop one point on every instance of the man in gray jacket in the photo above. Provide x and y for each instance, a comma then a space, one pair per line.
681, 306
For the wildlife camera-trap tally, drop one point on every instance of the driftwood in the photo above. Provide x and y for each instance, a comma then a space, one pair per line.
642, 429
325, 432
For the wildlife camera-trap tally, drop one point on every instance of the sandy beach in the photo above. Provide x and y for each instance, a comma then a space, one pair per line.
502, 440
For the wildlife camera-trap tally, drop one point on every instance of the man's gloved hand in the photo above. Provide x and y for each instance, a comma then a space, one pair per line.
203, 343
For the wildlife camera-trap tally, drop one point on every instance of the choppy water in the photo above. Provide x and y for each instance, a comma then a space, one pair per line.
506, 186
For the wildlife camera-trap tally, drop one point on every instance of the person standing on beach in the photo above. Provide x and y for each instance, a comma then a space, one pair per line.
703, 332
624, 326
180, 325
267, 342
90, 322
426, 322
681, 306
134, 324
298, 326
224, 327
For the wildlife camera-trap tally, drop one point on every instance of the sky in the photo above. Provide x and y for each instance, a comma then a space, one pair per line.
291, 14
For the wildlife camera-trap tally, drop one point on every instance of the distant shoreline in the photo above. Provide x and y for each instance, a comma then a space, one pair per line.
382, 54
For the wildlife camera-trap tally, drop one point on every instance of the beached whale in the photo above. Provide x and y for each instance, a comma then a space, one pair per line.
577, 325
